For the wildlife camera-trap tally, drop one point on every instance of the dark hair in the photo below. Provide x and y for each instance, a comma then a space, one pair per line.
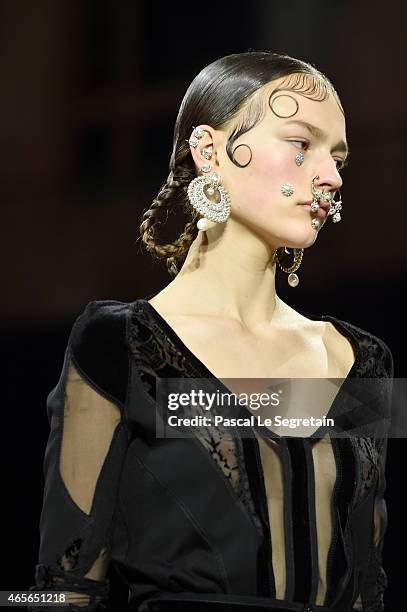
215, 97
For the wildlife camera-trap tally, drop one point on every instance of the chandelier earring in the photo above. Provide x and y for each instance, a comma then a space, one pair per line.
205, 193
208, 197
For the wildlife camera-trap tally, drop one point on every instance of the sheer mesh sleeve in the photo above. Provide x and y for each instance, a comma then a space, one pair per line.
371, 593
85, 452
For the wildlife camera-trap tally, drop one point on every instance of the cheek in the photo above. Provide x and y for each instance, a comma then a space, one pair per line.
261, 181
279, 168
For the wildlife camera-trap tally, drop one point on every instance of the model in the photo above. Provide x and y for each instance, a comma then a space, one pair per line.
207, 506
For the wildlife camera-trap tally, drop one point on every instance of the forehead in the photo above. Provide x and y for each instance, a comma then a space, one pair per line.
305, 99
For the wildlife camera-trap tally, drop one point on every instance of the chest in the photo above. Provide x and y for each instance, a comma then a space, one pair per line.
316, 350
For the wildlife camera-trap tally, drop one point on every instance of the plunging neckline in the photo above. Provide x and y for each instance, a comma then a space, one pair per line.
201, 367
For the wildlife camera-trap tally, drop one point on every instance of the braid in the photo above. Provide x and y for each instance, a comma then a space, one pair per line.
172, 193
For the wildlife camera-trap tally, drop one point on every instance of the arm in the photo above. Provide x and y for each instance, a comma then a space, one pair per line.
83, 460
372, 590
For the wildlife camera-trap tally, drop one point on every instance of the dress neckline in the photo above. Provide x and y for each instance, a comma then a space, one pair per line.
201, 367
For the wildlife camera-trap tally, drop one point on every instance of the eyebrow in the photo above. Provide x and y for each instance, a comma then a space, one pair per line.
341, 146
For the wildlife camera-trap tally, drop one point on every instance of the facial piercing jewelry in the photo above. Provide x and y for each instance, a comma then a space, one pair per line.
299, 159
293, 279
287, 190
210, 199
196, 137
207, 153
336, 206
326, 196
206, 168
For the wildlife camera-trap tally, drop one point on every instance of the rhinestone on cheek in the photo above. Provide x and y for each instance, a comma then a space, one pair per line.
287, 190
299, 159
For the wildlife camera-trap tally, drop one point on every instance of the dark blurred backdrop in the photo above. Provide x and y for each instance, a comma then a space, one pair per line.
89, 95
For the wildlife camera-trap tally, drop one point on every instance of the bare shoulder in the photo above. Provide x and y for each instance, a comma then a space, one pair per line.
338, 346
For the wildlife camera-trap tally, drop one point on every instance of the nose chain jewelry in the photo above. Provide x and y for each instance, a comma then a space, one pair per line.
325, 196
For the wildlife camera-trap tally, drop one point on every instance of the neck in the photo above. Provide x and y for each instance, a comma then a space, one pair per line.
229, 272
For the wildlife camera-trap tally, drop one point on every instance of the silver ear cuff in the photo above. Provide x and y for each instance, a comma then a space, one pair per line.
197, 134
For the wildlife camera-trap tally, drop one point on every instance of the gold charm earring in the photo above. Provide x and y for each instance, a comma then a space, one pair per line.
293, 279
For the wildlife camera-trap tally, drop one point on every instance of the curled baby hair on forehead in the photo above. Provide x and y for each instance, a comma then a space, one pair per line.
222, 95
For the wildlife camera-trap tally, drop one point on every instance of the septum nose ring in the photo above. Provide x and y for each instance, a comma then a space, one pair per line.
320, 195
334, 206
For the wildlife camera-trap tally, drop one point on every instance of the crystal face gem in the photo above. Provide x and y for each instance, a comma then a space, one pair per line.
287, 190
299, 159
314, 206
336, 218
316, 224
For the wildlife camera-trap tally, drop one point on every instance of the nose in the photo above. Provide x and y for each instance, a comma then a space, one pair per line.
328, 178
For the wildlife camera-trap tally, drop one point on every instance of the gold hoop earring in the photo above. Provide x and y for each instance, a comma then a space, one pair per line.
293, 279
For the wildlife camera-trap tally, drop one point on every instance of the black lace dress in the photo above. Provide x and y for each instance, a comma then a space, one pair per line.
214, 521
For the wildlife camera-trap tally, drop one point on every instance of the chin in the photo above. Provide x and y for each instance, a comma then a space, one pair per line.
288, 233
300, 239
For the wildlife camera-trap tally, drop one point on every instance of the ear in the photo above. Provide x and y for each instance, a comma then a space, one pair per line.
204, 153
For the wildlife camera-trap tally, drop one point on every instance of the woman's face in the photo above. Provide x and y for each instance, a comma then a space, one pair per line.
292, 124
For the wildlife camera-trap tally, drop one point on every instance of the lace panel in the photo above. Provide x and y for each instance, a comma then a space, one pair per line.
157, 357
369, 456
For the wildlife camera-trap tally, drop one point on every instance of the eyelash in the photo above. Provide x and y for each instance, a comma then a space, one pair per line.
340, 164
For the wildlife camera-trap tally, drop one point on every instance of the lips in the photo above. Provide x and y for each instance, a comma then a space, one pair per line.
324, 205
323, 210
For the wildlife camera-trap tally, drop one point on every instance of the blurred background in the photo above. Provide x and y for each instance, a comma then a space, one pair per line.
90, 93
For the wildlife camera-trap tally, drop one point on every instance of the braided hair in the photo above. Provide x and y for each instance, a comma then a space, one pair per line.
172, 193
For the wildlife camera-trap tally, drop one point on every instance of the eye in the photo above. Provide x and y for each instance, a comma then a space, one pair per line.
341, 164
303, 144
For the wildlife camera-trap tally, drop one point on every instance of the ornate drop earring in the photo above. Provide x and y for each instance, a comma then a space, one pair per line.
293, 279
205, 193
210, 199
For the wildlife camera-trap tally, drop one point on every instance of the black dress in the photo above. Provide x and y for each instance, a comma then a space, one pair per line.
203, 522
